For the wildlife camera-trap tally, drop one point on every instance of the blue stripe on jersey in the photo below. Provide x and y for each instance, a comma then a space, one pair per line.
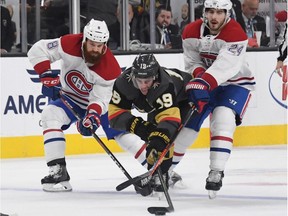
54, 140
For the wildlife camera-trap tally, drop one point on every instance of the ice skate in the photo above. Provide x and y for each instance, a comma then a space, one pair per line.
214, 183
175, 180
57, 180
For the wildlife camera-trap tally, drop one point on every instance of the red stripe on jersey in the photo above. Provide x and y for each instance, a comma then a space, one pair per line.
222, 138
138, 153
209, 56
178, 154
116, 114
52, 130
75, 96
245, 106
178, 120
241, 78
42, 66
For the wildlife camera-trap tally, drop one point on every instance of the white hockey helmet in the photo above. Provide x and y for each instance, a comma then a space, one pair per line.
97, 31
219, 4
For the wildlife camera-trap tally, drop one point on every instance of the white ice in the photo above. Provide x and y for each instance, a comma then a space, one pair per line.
255, 184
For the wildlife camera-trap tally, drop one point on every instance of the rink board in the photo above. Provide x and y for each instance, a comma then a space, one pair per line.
31, 146
265, 120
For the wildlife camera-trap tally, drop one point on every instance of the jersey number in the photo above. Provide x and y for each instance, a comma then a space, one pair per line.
116, 97
166, 101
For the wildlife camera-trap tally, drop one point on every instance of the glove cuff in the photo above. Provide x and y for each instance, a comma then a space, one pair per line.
132, 124
197, 83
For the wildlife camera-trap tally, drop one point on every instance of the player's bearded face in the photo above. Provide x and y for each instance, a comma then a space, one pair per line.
93, 51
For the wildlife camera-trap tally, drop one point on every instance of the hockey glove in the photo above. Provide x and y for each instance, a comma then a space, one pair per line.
88, 124
157, 142
198, 93
51, 92
50, 78
141, 128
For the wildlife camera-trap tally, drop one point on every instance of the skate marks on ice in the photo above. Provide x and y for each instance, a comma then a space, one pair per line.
255, 183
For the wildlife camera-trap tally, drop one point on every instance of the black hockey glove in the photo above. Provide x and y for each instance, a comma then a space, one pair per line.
141, 128
157, 141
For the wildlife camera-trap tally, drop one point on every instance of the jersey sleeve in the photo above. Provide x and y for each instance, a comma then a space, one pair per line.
43, 53
192, 60
120, 106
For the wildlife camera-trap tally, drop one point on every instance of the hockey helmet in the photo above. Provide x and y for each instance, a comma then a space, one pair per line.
218, 4
97, 31
145, 66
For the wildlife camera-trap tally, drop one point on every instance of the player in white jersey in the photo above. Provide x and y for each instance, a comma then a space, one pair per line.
214, 51
88, 72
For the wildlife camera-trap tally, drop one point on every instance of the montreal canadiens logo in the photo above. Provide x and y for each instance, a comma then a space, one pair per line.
76, 81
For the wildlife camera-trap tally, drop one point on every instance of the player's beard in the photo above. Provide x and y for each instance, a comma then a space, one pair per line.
91, 57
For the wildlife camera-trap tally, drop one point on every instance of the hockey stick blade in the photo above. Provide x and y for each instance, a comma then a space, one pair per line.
139, 181
160, 210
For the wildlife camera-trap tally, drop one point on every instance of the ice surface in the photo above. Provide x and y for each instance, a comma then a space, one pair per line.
255, 184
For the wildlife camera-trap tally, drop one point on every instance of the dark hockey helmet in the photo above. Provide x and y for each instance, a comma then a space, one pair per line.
145, 66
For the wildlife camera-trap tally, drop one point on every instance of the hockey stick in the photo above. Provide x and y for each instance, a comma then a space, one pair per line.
107, 150
144, 179
162, 210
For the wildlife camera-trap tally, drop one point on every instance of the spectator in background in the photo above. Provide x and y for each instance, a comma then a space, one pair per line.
280, 22
254, 22
105, 10
115, 31
167, 34
11, 11
7, 35
185, 16
199, 12
236, 13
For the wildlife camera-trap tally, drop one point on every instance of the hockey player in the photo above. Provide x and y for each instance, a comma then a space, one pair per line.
88, 72
157, 91
282, 53
214, 51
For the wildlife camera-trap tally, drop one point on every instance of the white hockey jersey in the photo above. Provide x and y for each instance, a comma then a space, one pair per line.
221, 56
89, 87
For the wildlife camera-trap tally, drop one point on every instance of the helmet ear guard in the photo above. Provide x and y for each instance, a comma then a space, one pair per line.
97, 31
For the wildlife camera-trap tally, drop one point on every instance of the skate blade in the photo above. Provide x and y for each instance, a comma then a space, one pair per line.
212, 194
60, 187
